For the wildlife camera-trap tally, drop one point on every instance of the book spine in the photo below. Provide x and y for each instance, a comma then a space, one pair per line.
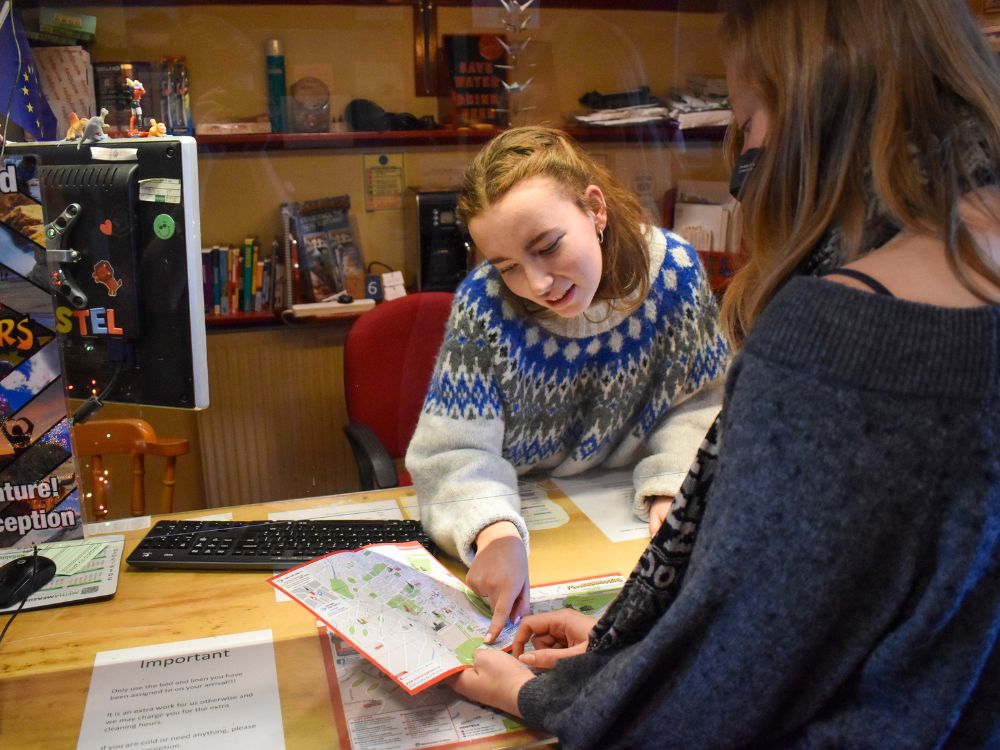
278, 276
224, 279
215, 304
267, 283
235, 278
290, 278
295, 274
304, 266
246, 299
258, 280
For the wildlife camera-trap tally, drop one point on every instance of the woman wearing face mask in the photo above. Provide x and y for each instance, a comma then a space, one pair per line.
829, 574
585, 339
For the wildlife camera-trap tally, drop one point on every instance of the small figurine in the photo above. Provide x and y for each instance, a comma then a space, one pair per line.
76, 126
96, 128
92, 129
156, 128
136, 90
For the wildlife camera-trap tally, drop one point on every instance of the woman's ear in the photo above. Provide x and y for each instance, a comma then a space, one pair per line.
596, 204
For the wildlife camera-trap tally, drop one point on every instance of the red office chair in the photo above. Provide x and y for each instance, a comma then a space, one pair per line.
388, 360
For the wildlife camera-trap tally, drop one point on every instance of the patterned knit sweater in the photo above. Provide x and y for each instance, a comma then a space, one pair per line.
513, 393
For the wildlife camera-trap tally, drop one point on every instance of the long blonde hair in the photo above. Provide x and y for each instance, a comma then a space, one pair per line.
865, 97
520, 153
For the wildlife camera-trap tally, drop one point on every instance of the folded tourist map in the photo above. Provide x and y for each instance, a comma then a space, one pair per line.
409, 615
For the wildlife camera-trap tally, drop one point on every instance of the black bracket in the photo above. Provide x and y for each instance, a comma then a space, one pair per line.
57, 253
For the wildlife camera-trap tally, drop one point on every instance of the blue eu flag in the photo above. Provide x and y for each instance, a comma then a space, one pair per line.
20, 91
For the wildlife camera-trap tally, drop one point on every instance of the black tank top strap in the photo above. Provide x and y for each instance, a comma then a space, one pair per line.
875, 285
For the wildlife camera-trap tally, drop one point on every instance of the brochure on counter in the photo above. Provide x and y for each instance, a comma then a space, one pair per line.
409, 615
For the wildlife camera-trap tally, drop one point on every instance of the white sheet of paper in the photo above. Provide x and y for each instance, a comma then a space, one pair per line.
538, 511
386, 510
226, 516
219, 692
606, 498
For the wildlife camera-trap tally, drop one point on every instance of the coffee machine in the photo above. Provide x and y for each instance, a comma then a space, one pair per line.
438, 248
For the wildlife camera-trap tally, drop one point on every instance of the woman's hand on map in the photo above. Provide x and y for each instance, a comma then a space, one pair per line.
554, 636
499, 574
495, 678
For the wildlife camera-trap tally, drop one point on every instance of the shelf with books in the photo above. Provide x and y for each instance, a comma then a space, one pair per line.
239, 281
659, 132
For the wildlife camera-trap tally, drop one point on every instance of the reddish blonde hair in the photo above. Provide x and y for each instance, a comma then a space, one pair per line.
520, 153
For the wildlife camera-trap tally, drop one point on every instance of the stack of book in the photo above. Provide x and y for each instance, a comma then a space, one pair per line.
238, 278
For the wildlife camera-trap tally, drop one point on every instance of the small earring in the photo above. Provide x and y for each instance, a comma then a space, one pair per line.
600, 236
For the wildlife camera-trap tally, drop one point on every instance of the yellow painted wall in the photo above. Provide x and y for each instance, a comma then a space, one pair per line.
360, 52
367, 52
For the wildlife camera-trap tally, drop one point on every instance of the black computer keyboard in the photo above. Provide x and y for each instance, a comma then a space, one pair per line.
264, 545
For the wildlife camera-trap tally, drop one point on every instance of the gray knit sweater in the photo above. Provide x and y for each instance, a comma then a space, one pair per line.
843, 590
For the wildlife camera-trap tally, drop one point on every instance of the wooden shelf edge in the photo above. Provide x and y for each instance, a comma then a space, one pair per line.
658, 132
265, 319
234, 320
327, 310
680, 6
355, 139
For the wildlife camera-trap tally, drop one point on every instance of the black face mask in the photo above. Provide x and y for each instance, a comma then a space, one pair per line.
742, 169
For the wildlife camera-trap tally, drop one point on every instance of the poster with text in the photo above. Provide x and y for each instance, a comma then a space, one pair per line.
39, 497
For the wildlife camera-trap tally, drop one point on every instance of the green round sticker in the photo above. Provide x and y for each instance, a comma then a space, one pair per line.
164, 226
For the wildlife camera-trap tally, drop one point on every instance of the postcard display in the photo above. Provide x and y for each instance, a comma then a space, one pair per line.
40, 496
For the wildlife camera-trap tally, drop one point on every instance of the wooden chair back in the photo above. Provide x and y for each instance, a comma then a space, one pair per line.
136, 438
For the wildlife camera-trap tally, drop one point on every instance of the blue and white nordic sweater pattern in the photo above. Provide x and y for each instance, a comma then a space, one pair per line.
577, 398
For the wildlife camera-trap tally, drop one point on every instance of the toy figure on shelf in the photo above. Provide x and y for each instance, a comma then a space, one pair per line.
136, 91
92, 129
96, 128
155, 128
76, 126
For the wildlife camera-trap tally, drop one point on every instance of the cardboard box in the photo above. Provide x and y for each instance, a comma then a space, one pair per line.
67, 79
